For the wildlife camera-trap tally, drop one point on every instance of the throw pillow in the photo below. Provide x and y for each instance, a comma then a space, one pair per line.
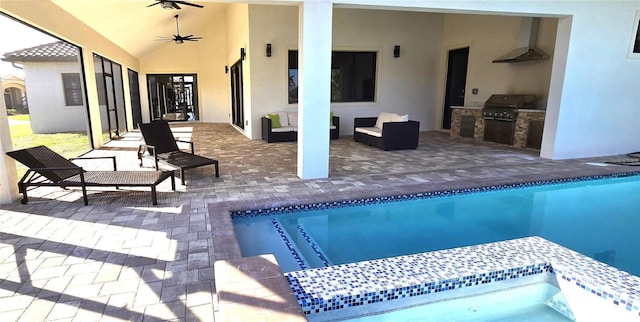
293, 119
275, 120
331, 119
383, 118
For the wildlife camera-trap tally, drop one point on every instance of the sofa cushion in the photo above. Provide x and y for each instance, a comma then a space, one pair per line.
275, 120
293, 118
384, 117
331, 120
283, 129
373, 131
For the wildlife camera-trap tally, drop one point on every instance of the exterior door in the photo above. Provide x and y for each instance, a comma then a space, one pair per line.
173, 97
237, 102
134, 92
110, 97
456, 82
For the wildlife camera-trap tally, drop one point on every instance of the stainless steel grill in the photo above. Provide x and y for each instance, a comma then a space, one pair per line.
503, 107
499, 114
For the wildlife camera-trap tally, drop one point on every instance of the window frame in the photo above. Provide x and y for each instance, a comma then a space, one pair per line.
72, 88
292, 80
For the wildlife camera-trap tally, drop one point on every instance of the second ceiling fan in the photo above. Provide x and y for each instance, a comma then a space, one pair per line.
177, 38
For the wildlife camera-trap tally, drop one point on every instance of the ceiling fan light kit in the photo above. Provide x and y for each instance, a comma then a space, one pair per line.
173, 4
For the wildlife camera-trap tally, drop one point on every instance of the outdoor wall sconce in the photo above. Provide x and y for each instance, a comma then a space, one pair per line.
268, 50
396, 51
243, 54
226, 69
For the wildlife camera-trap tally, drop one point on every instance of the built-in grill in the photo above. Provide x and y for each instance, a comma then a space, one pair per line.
499, 114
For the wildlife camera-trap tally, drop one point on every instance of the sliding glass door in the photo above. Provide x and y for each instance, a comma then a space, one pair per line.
173, 97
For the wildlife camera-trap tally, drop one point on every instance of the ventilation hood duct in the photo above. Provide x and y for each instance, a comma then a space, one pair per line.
527, 39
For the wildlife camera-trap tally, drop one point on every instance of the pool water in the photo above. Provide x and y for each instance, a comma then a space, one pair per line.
597, 218
528, 303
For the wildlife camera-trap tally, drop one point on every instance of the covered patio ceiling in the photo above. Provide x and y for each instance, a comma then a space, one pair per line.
134, 27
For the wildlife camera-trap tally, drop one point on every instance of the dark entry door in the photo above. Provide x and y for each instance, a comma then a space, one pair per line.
456, 82
237, 102
134, 92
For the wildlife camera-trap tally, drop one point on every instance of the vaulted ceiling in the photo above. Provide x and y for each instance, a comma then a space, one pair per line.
135, 27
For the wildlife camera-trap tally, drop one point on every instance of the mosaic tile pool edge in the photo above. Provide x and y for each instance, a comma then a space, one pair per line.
343, 286
422, 195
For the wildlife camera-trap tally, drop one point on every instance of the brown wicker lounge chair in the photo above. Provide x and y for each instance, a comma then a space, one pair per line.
48, 168
161, 146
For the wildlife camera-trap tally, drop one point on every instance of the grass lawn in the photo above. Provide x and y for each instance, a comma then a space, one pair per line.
67, 144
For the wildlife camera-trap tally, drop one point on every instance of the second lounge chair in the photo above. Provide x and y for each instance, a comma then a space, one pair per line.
161, 146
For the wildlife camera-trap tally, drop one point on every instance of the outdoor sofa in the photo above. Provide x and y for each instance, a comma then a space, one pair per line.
388, 131
283, 127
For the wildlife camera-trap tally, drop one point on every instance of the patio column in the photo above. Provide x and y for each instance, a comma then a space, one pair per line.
8, 176
314, 91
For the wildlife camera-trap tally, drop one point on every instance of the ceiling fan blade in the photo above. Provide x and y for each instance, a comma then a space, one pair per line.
188, 4
175, 5
153, 4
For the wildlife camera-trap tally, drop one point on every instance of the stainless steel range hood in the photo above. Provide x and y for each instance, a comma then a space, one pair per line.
525, 50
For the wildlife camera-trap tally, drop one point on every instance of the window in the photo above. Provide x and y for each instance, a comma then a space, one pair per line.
72, 89
353, 76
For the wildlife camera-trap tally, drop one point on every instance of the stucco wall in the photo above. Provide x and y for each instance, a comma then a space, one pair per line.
206, 58
238, 37
408, 84
47, 107
490, 36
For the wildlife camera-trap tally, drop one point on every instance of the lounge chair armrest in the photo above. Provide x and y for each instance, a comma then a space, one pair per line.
190, 144
113, 159
150, 148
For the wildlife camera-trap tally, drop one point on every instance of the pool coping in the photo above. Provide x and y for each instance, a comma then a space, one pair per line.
226, 245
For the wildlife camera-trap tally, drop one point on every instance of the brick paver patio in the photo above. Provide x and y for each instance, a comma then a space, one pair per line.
122, 259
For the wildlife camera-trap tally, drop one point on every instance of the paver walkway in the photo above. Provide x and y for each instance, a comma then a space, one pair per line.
122, 259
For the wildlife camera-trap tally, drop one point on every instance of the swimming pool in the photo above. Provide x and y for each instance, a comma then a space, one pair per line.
594, 288
597, 218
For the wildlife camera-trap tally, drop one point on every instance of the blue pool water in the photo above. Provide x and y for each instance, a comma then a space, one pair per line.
598, 218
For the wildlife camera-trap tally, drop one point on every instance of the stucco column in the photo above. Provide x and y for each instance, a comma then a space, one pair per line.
8, 176
314, 91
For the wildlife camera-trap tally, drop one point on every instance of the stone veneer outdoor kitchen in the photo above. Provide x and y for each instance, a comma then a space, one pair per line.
467, 121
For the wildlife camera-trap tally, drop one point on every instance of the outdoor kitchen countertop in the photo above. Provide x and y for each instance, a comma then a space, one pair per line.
469, 107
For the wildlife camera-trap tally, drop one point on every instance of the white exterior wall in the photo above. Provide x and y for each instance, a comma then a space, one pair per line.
47, 107
408, 84
489, 37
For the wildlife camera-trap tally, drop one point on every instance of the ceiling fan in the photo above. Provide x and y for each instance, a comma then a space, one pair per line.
171, 4
177, 38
